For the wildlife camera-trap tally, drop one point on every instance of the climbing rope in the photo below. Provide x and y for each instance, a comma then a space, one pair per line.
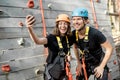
43, 23
43, 19
84, 68
94, 14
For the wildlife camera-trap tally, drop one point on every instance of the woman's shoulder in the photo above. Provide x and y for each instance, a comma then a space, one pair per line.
51, 37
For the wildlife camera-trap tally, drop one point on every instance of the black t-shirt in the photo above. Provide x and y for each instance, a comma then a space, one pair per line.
53, 47
95, 38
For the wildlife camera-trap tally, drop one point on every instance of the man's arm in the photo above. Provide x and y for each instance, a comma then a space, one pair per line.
108, 53
99, 70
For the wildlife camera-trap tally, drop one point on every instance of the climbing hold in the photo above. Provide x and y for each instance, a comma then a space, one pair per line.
97, 0
21, 24
6, 68
20, 41
37, 72
1, 12
30, 4
115, 62
50, 5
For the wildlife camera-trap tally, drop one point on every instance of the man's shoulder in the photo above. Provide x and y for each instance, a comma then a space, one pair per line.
73, 32
93, 29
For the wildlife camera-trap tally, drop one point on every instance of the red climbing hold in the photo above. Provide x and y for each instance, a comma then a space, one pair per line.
30, 4
6, 68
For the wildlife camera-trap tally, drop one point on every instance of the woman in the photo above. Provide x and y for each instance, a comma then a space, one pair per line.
62, 30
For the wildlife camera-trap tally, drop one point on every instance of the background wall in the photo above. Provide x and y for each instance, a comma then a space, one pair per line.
20, 52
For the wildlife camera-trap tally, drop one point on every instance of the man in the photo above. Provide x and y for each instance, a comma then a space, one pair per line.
90, 42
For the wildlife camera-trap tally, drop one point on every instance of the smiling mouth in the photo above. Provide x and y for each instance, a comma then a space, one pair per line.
63, 28
76, 26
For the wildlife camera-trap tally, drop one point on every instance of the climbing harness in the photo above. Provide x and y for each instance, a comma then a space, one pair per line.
60, 44
84, 51
67, 67
55, 69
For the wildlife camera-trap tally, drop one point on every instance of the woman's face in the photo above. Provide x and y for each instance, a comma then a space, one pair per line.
63, 27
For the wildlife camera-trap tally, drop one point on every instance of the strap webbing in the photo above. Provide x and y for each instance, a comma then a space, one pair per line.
60, 44
76, 34
85, 38
86, 34
82, 52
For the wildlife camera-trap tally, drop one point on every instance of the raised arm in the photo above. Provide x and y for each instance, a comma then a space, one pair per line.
30, 20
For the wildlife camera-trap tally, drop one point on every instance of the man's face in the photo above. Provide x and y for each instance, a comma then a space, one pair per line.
78, 23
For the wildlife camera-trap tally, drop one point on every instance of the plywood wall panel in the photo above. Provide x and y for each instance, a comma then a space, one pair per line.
22, 52
14, 43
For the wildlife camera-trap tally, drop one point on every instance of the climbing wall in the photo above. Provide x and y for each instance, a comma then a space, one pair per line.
17, 49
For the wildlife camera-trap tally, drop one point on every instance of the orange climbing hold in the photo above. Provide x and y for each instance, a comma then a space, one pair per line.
30, 4
6, 68
97, 0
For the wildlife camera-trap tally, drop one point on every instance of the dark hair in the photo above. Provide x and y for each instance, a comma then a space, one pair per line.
56, 31
86, 18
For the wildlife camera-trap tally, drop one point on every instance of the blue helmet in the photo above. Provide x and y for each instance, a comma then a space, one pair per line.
81, 12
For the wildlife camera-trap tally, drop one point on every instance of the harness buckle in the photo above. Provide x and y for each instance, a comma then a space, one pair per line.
61, 53
86, 40
85, 51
